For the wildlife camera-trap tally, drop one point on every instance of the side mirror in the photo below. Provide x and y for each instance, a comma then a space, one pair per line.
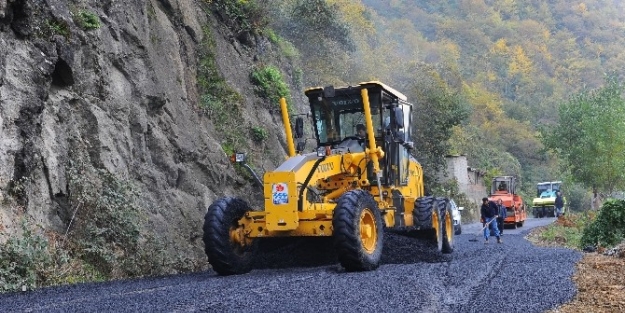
399, 117
460, 208
328, 92
299, 127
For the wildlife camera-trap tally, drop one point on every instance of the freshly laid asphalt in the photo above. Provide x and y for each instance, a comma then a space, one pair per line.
303, 276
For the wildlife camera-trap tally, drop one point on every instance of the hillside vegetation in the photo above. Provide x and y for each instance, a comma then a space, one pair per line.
508, 64
118, 117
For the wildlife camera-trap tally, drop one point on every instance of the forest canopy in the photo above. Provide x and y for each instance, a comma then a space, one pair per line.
504, 66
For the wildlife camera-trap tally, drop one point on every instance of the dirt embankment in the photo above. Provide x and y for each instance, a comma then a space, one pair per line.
599, 277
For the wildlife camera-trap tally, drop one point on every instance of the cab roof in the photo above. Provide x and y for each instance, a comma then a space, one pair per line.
385, 87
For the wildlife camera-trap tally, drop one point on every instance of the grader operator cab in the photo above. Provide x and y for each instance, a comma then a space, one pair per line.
350, 187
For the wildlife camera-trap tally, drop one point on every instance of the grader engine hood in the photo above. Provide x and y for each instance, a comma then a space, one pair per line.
280, 190
284, 188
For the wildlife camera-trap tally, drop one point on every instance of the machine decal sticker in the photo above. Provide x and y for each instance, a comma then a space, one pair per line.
326, 167
280, 193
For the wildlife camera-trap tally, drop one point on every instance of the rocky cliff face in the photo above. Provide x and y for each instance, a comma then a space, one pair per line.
119, 98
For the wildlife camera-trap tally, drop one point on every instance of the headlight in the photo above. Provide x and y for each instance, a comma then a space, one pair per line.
237, 157
321, 151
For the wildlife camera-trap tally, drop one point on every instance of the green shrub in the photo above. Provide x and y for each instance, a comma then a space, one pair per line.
259, 134
107, 221
298, 77
243, 15
87, 20
270, 83
27, 261
214, 89
218, 99
286, 47
271, 35
608, 229
58, 28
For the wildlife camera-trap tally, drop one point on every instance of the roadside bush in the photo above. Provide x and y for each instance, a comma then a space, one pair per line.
27, 261
608, 229
106, 219
566, 230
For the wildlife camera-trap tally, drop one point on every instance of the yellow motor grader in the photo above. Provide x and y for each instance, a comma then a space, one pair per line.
351, 187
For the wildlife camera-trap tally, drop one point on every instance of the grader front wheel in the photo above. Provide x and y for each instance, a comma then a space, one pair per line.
229, 251
358, 233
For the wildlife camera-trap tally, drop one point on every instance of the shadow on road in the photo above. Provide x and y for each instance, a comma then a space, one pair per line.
281, 253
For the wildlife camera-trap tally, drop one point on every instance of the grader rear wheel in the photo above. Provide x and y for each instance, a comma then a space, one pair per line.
447, 225
358, 231
229, 251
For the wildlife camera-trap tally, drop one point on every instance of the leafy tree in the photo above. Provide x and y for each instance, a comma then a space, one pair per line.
590, 136
445, 109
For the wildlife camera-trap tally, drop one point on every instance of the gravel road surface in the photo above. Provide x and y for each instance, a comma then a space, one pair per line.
513, 276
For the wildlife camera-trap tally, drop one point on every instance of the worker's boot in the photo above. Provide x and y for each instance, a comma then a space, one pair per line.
499, 240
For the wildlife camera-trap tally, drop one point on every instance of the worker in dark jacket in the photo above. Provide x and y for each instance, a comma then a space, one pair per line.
489, 213
501, 209
559, 204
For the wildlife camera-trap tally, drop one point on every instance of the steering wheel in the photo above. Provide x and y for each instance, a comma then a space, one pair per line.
353, 138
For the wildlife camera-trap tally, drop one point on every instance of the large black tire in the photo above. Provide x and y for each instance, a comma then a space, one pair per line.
458, 230
427, 218
444, 208
422, 213
226, 255
356, 211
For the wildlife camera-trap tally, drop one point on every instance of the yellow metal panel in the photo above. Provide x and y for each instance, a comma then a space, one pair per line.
317, 209
257, 229
281, 201
409, 203
416, 178
310, 223
389, 218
